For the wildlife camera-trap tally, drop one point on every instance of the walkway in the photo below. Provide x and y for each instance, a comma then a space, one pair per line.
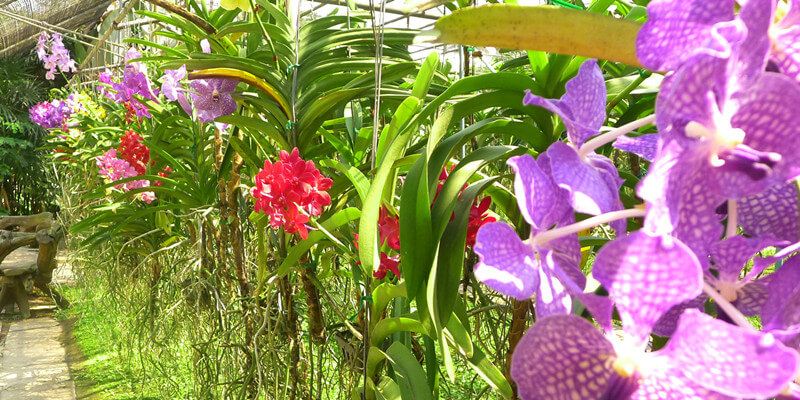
33, 360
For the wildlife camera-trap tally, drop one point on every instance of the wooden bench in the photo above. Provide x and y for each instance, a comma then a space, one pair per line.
36, 266
17, 272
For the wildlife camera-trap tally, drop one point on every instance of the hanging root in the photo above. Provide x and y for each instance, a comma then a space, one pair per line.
316, 326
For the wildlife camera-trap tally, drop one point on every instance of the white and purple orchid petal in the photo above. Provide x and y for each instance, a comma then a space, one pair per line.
582, 108
540, 201
562, 357
750, 55
783, 285
751, 298
645, 276
785, 52
610, 175
645, 146
589, 192
729, 359
670, 384
731, 255
552, 296
675, 29
690, 95
506, 265
767, 113
666, 325
774, 212
600, 307
678, 199
565, 259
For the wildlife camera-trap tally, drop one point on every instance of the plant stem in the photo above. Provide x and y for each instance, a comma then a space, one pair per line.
613, 134
586, 224
733, 219
735, 315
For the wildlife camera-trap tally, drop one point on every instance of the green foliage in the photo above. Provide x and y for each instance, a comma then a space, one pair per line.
21, 162
200, 274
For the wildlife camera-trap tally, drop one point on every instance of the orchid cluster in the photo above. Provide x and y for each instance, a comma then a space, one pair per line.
290, 191
57, 59
134, 82
55, 113
51, 114
721, 188
133, 162
210, 97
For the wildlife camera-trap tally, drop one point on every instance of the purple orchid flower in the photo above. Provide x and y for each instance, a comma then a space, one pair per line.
546, 265
212, 98
733, 122
171, 82
591, 180
678, 29
523, 269
566, 357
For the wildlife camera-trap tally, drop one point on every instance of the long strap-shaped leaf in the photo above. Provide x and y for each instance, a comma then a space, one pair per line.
246, 77
544, 28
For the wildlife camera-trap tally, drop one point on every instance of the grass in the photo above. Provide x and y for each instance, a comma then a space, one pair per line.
99, 370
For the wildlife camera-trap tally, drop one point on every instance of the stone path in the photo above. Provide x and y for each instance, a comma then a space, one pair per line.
33, 360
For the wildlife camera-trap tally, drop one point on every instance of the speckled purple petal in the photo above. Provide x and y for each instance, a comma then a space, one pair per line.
670, 384
731, 255
690, 96
565, 258
226, 85
600, 307
552, 296
679, 202
729, 359
677, 28
227, 105
645, 146
540, 200
610, 175
750, 56
768, 116
751, 298
562, 357
785, 50
782, 285
506, 263
645, 276
582, 108
666, 325
775, 212
589, 193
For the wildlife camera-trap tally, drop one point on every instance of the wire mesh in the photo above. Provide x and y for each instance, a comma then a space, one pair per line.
17, 35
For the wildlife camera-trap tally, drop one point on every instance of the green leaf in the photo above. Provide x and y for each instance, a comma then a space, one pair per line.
490, 373
450, 260
258, 129
410, 375
425, 76
416, 236
544, 28
335, 221
387, 326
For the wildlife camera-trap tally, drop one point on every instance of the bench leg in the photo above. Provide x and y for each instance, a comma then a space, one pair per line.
21, 297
